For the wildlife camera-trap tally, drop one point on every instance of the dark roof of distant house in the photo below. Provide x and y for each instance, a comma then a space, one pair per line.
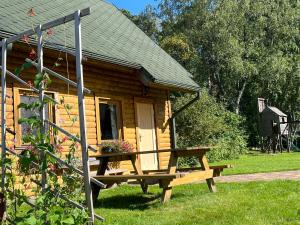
275, 110
107, 35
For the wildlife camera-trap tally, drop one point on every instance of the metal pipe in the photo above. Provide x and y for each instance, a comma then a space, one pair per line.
3, 114
69, 135
73, 203
81, 106
75, 169
51, 72
40, 69
175, 114
27, 85
46, 26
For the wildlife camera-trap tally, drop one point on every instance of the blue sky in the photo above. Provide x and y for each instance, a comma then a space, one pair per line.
134, 6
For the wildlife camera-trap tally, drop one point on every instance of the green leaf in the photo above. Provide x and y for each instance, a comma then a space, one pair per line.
31, 221
18, 71
27, 65
68, 220
37, 80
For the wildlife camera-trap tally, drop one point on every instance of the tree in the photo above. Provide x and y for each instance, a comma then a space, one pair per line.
146, 21
245, 49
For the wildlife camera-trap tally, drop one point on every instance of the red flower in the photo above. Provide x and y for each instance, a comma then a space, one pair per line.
50, 32
31, 12
64, 139
25, 38
32, 54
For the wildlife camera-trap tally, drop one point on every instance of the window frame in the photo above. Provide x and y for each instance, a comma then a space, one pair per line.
18, 92
119, 104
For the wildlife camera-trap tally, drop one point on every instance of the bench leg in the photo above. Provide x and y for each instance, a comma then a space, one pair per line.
144, 186
95, 192
166, 195
211, 185
100, 171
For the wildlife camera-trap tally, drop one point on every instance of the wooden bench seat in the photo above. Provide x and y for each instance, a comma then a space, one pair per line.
139, 177
217, 170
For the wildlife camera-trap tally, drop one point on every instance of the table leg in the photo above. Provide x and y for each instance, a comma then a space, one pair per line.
103, 165
138, 169
210, 182
172, 167
166, 195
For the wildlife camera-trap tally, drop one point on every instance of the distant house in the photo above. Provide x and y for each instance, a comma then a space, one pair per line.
131, 77
273, 122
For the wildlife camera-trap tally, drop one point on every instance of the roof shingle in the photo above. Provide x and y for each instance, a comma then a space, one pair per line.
107, 35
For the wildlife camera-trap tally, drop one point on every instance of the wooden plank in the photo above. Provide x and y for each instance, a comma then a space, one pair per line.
192, 177
137, 177
179, 152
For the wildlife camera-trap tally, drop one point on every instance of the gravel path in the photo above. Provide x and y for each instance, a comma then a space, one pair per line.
285, 175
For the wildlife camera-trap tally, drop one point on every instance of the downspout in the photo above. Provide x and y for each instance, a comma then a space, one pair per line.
173, 119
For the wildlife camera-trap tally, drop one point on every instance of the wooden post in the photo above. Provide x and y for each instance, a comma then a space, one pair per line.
81, 105
3, 128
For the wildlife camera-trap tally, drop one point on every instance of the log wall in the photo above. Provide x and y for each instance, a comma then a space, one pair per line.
106, 81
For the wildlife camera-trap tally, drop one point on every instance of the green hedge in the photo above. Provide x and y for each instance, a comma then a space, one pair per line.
207, 122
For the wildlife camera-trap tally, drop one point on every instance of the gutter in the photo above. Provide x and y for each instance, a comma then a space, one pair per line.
173, 119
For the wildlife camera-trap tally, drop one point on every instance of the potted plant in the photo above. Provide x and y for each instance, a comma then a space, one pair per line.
116, 146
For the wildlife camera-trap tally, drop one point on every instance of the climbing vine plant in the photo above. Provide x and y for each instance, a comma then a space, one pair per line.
27, 202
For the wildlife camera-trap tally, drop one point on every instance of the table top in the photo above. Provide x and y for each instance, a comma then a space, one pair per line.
181, 151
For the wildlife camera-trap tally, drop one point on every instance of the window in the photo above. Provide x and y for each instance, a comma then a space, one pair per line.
110, 120
30, 97
30, 113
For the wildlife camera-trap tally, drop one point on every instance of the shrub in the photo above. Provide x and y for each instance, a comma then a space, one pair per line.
207, 122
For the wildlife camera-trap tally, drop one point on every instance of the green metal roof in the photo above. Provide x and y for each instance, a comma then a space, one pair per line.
107, 35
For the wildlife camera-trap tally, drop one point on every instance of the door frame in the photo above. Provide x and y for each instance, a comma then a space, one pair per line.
147, 101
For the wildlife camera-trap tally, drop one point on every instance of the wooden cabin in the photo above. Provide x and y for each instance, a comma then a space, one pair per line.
130, 76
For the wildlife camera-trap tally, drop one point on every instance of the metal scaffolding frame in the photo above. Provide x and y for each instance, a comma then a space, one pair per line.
76, 17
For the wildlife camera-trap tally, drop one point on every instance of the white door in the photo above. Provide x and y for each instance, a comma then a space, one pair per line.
146, 135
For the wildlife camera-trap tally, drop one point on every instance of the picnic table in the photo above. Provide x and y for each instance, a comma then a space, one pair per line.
167, 178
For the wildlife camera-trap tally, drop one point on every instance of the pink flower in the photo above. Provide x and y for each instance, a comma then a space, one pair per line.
59, 148
52, 167
64, 139
25, 38
31, 12
50, 32
30, 83
32, 54
77, 145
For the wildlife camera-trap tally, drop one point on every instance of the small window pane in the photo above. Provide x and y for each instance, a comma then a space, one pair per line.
108, 122
29, 113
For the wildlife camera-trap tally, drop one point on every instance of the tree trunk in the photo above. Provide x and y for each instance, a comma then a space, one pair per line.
238, 101
2, 206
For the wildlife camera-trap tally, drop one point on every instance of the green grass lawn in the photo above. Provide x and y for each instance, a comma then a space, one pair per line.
254, 203
255, 162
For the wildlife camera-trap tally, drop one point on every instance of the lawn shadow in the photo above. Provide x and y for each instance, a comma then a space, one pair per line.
133, 201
